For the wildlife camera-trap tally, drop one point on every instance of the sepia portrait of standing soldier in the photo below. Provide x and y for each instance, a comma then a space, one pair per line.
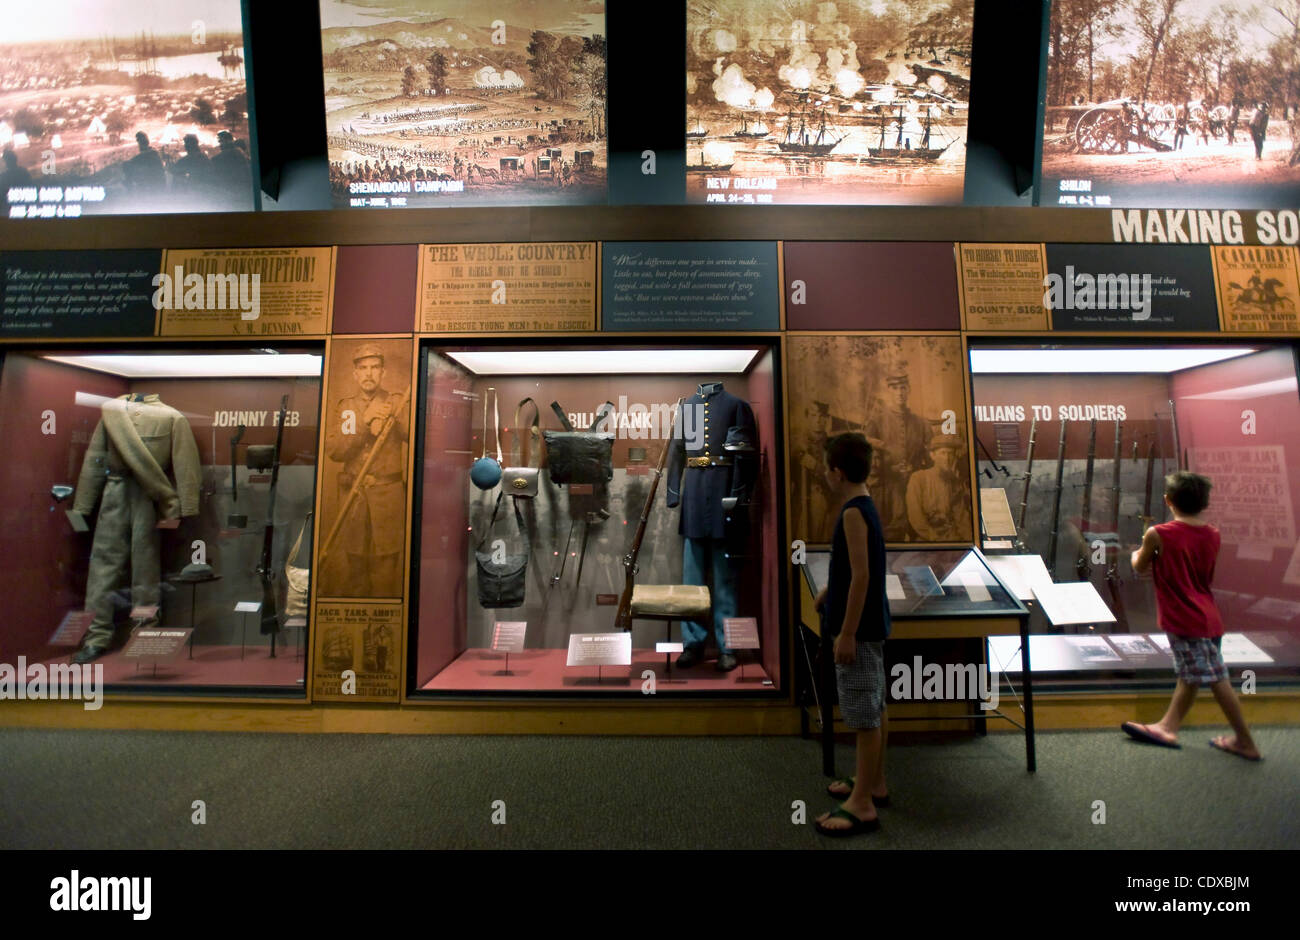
900, 392
812, 497
367, 435
938, 499
901, 438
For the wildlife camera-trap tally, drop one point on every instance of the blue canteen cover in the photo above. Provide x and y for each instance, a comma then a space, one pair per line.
485, 473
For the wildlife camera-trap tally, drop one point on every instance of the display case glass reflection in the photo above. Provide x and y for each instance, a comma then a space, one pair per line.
1081, 437
523, 561
159, 522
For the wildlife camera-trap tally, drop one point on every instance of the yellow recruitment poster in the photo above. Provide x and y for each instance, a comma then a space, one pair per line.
529, 286
245, 292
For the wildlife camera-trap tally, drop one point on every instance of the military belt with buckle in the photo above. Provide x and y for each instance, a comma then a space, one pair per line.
370, 479
708, 461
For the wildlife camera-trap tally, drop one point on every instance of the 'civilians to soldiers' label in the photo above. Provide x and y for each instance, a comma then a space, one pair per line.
1002, 286
503, 288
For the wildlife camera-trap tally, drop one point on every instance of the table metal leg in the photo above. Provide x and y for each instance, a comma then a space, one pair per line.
828, 711
1031, 759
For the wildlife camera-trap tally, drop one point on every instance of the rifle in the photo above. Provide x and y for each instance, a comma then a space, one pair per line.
1056, 499
398, 402
1145, 516
235, 520
270, 616
1180, 458
623, 619
1113, 579
1082, 566
1028, 474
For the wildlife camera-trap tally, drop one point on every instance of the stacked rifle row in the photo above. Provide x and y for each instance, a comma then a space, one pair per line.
1083, 563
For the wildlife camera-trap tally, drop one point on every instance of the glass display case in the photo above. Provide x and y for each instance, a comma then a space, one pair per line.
657, 460
158, 522
1075, 442
928, 584
951, 616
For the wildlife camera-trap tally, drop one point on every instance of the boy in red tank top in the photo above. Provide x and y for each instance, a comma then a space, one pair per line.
1181, 556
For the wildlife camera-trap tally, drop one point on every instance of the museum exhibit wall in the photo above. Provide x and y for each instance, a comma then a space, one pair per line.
865, 304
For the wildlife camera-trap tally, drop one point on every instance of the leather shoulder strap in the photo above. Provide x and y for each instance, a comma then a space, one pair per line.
564, 419
520, 456
487, 532
601, 412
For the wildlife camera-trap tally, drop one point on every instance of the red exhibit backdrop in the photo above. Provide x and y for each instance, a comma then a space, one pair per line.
871, 286
44, 574
1239, 421
374, 288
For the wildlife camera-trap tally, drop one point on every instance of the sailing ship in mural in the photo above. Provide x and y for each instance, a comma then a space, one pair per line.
828, 103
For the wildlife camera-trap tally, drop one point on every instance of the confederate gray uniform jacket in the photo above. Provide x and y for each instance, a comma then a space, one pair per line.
136, 443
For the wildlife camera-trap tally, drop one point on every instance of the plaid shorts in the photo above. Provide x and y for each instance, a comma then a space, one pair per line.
862, 686
1197, 659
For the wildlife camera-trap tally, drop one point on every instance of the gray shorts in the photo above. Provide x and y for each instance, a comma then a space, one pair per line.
862, 686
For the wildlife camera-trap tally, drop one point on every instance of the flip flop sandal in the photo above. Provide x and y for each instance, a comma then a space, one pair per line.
858, 827
849, 782
1227, 750
1138, 733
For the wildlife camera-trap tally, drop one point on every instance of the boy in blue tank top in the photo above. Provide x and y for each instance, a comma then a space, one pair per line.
855, 611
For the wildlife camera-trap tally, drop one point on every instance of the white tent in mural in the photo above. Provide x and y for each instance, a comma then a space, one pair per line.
6, 134
97, 128
56, 142
20, 140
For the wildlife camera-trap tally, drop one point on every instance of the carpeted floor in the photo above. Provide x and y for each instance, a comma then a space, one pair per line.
126, 789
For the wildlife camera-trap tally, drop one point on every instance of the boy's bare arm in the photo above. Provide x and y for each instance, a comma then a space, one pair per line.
855, 534
1144, 555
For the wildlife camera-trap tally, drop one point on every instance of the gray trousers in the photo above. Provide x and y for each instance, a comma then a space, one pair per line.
126, 540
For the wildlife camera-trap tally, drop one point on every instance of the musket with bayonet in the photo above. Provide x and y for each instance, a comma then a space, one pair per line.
235, 519
1180, 458
623, 618
1027, 477
1082, 564
1056, 499
398, 402
270, 615
1113, 580
1147, 518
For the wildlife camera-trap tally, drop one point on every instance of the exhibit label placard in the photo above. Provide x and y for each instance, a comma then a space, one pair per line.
1131, 288
600, 649
358, 655
156, 644
52, 294
690, 286
1258, 289
740, 633
995, 512
508, 636
245, 292
540, 287
1001, 286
